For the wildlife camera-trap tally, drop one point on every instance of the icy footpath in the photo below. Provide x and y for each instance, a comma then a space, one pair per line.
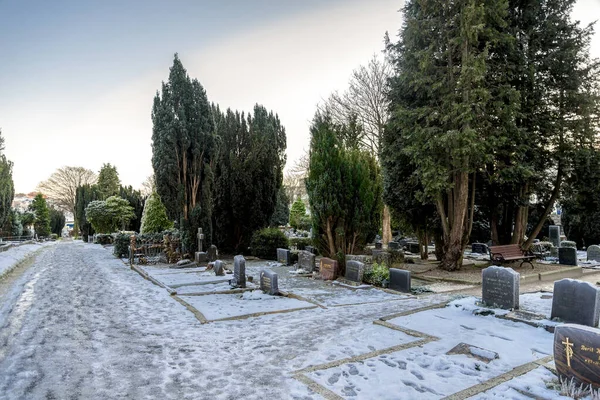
12, 257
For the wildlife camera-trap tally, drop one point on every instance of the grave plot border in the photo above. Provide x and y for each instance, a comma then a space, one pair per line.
421, 339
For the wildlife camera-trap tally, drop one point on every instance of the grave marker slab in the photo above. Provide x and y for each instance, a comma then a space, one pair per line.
311, 249
200, 237
283, 256
354, 271
576, 354
400, 280
268, 282
239, 272
413, 247
479, 248
500, 287
393, 245
201, 257
328, 269
219, 268
213, 253
593, 253
306, 261
554, 234
567, 256
576, 302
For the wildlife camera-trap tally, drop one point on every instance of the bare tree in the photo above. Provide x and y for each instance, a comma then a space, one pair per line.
293, 180
366, 103
62, 186
148, 186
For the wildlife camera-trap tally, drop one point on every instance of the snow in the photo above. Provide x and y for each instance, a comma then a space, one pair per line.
177, 280
220, 306
339, 295
10, 258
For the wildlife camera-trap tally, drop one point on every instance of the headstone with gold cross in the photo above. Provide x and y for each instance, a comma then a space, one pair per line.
577, 353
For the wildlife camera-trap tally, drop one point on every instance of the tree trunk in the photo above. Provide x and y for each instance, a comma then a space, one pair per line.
330, 240
454, 237
386, 229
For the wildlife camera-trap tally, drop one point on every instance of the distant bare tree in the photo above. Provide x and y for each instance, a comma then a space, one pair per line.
366, 103
62, 185
148, 186
293, 180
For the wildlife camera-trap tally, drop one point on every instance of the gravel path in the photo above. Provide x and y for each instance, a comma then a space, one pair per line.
79, 324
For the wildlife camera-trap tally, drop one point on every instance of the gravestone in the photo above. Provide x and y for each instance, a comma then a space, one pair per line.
201, 257
213, 253
576, 302
379, 245
577, 354
311, 249
268, 282
354, 271
328, 269
393, 245
283, 256
239, 272
399, 280
219, 268
593, 253
413, 247
381, 257
567, 256
500, 287
306, 261
554, 234
479, 248
200, 237
568, 243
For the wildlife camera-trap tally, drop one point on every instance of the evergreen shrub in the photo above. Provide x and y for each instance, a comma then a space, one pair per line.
265, 242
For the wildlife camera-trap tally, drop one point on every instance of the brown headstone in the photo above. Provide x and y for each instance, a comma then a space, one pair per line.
577, 353
328, 269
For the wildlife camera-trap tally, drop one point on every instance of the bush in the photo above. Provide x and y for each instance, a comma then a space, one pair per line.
122, 241
297, 212
103, 239
264, 243
154, 217
54, 236
300, 243
377, 276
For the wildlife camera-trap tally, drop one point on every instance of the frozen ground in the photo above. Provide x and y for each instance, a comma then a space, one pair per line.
80, 324
13, 256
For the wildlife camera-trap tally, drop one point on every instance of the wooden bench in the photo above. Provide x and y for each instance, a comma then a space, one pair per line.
509, 253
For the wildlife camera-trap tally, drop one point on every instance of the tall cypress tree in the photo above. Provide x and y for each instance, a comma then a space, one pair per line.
183, 149
42, 216
108, 181
7, 188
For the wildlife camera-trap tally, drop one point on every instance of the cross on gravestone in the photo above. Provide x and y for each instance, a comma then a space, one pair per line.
567, 256
328, 269
218, 267
593, 253
576, 302
399, 280
283, 256
500, 287
479, 248
239, 272
306, 261
200, 237
576, 354
554, 234
354, 271
268, 282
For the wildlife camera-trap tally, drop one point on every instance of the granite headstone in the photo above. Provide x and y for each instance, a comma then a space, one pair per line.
500, 287
201, 257
576, 302
283, 256
393, 245
378, 245
219, 268
399, 280
306, 261
554, 234
213, 253
239, 272
479, 248
413, 247
328, 269
593, 253
577, 354
567, 256
268, 282
354, 271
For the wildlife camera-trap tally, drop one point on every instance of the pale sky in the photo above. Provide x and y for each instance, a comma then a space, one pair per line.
77, 78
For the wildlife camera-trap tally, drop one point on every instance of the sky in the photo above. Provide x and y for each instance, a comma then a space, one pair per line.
77, 78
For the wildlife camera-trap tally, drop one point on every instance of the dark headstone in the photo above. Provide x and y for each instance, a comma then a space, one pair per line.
399, 280
554, 234
393, 245
479, 248
213, 253
576, 302
239, 272
354, 271
413, 247
283, 256
306, 261
500, 287
567, 256
201, 257
577, 354
379, 245
593, 253
218, 267
311, 249
268, 282
328, 269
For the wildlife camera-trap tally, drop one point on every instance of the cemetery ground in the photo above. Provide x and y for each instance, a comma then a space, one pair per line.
75, 322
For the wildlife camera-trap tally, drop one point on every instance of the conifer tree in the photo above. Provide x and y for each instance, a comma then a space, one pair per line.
154, 218
7, 190
42, 216
108, 181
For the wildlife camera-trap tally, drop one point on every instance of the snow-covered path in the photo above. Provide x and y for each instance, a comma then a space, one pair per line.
79, 324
